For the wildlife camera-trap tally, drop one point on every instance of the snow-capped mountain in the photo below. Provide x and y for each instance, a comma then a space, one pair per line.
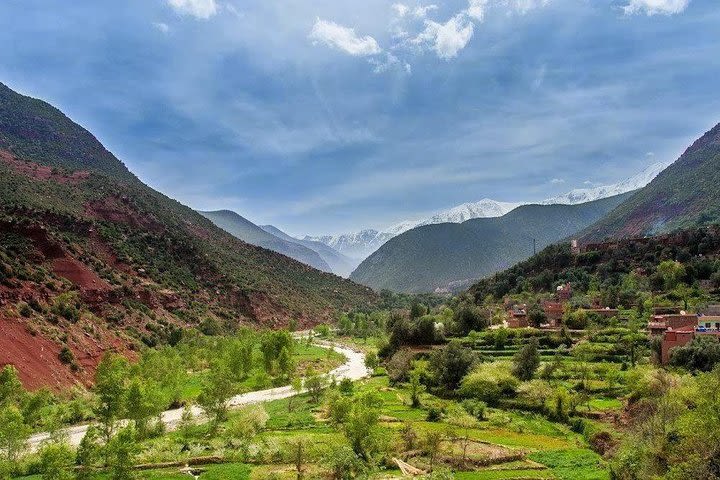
584, 195
360, 245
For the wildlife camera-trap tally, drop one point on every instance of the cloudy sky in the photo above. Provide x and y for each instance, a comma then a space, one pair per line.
323, 116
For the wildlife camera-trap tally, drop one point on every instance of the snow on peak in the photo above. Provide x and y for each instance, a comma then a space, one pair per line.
584, 195
360, 245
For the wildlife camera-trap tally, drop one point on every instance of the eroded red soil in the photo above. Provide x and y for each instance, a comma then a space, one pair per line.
41, 172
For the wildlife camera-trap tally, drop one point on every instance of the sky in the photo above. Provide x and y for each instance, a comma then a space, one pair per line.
327, 116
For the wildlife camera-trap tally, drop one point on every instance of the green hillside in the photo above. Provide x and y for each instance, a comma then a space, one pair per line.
248, 232
87, 251
438, 256
685, 195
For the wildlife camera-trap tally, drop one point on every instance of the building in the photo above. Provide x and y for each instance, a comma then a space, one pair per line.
554, 312
517, 317
678, 321
708, 323
679, 338
564, 293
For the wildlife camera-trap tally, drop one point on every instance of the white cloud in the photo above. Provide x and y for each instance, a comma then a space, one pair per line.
655, 7
163, 27
446, 39
556, 181
203, 9
476, 9
390, 61
421, 11
343, 38
401, 9
524, 6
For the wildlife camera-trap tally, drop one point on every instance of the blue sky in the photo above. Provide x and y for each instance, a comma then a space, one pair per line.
324, 116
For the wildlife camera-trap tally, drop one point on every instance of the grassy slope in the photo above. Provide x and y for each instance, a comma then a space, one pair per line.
685, 195
435, 255
177, 246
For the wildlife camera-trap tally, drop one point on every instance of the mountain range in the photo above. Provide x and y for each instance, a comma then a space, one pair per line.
92, 260
359, 245
449, 256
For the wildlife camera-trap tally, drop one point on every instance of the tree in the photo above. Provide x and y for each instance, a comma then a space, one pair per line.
110, 392
526, 361
536, 315
343, 463
672, 273
701, 354
371, 361
11, 388
297, 386
57, 461
451, 364
286, 363
314, 384
13, 432
217, 390
299, 456
142, 403
121, 452
416, 389
239, 358
271, 347
360, 427
432, 444
469, 317
89, 453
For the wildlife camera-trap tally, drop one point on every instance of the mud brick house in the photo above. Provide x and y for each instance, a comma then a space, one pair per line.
679, 338
678, 321
709, 322
517, 317
554, 311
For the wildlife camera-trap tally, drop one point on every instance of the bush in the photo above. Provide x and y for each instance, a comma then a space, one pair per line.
66, 356
490, 382
434, 414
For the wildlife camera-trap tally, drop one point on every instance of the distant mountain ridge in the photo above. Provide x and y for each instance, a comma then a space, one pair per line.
245, 230
361, 244
440, 257
339, 263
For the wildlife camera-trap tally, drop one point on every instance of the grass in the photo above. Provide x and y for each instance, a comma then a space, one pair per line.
573, 464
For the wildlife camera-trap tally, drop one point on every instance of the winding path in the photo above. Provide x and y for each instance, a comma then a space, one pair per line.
353, 369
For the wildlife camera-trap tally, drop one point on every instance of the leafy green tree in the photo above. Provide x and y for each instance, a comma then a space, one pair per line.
297, 386
361, 426
11, 389
121, 453
432, 444
142, 402
527, 361
451, 364
57, 461
371, 361
286, 363
314, 384
239, 358
343, 463
14, 433
701, 354
89, 453
469, 317
536, 315
672, 273
110, 391
416, 389
216, 391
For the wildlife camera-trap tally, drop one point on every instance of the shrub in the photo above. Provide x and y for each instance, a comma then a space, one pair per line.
66, 356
